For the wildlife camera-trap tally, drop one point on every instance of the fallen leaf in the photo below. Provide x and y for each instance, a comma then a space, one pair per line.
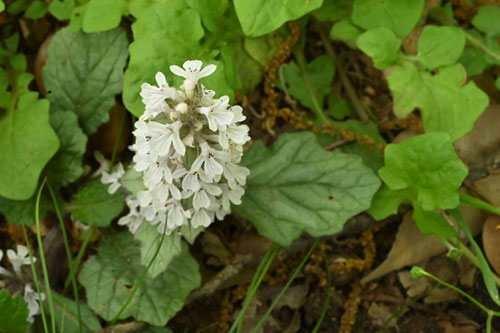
489, 188
212, 245
379, 313
491, 239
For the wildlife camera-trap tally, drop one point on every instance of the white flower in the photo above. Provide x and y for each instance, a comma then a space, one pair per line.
133, 219
113, 178
31, 298
17, 260
164, 136
207, 159
192, 70
104, 164
218, 115
154, 97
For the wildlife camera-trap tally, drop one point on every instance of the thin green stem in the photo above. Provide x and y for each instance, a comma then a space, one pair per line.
285, 288
264, 265
473, 259
461, 292
328, 294
483, 47
117, 140
141, 279
318, 108
488, 321
72, 272
79, 256
478, 203
48, 291
37, 284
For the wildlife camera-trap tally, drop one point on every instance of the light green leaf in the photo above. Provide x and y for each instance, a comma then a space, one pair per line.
189, 233
133, 181
165, 33
381, 45
2, 6
28, 142
320, 71
77, 18
400, 16
66, 165
263, 48
36, 10
338, 108
297, 186
102, 15
431, 223
210, 11
346, 31
150, 240
61, 9
66, 315
440, 46
487, 21
386, 202
94, 206
85, 82
474, 60
434, 181
22, 212
110, 276
14, 314
447, 104
260, 17
333, 10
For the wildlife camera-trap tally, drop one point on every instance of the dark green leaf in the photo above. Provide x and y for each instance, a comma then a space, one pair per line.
22, 212
13, 315
94, 206
66, 315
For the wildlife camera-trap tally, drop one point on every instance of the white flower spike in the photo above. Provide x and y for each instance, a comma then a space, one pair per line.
188, 150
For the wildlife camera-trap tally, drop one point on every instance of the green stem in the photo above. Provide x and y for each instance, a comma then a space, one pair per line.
72, 272
473, 259
463, 293
488, 321
328, 294
42, 257
79, 256
141, 279
483, 47
264, 265
285, 288
478, 203
318, 109
37, 284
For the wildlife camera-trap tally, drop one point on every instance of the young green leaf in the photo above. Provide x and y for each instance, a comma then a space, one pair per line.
36, 10
381, 45
66, 165
434, 181
320, 71
386, 202
431, 223
487, 21
210, 11
102, 15
440, 46
447, 104
22, 212
61, 9
2, 6
66, 315
400, 16
148, 55
346, 31
85, 82
28, 142
260, 17
150, 240
297, 186
14, 314
333, 10
94, 206
110, 276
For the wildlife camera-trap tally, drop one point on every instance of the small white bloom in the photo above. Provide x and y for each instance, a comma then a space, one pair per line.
164, 136
31, 299
154, 97
192, 70
218, 115
17, 260
104, 164
133, 219
113, 178
207, 159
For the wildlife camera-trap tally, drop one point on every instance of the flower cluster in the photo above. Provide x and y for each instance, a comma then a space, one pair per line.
18, 260
188, 146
